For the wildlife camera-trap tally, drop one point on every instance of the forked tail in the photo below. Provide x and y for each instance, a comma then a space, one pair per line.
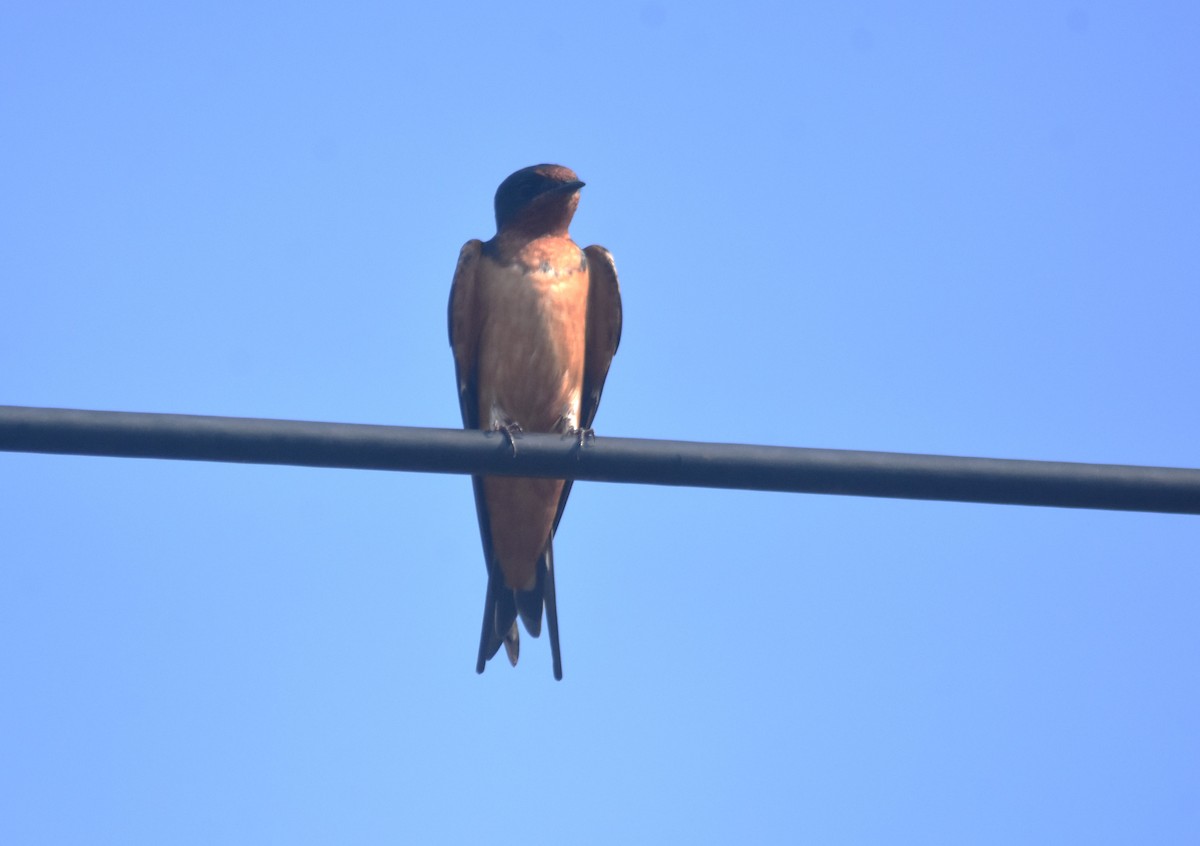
503, 605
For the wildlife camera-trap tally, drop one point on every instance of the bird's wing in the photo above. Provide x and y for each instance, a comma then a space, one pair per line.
603, 338
603, 328
464, 320
465, 323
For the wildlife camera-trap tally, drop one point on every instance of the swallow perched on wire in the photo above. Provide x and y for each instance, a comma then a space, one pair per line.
534, 324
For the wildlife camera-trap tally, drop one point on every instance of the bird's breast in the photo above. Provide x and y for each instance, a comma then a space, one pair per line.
532, 341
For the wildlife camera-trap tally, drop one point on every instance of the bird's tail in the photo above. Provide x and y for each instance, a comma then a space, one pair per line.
499, 622
531, 602
503, 605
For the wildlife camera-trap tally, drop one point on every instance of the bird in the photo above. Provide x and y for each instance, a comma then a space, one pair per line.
534, 324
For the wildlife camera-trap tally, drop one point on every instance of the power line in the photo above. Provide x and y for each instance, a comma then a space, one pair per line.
763, 468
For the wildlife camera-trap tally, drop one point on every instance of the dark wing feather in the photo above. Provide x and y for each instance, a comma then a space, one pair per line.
465, 323
603, 338
603, 328
464, 320
464, 341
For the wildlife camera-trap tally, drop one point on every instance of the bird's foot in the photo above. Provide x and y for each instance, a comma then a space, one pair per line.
511, 431
582, 437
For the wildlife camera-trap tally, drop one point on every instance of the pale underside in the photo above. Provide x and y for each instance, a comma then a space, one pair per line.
530, 373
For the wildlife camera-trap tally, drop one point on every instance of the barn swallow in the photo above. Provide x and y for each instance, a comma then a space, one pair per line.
534, 324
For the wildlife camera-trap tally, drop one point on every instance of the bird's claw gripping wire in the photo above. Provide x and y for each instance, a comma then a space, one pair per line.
511, 432
582, 437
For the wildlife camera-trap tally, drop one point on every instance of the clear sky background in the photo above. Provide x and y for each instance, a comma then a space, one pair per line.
926, 227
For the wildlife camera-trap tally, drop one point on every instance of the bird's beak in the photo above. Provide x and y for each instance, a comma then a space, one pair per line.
569, 187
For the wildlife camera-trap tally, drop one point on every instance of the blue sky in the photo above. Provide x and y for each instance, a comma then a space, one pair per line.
928, 227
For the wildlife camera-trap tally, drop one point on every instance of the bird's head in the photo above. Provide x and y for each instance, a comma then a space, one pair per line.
538, 200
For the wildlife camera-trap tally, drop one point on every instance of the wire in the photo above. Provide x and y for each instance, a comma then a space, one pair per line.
748, 467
